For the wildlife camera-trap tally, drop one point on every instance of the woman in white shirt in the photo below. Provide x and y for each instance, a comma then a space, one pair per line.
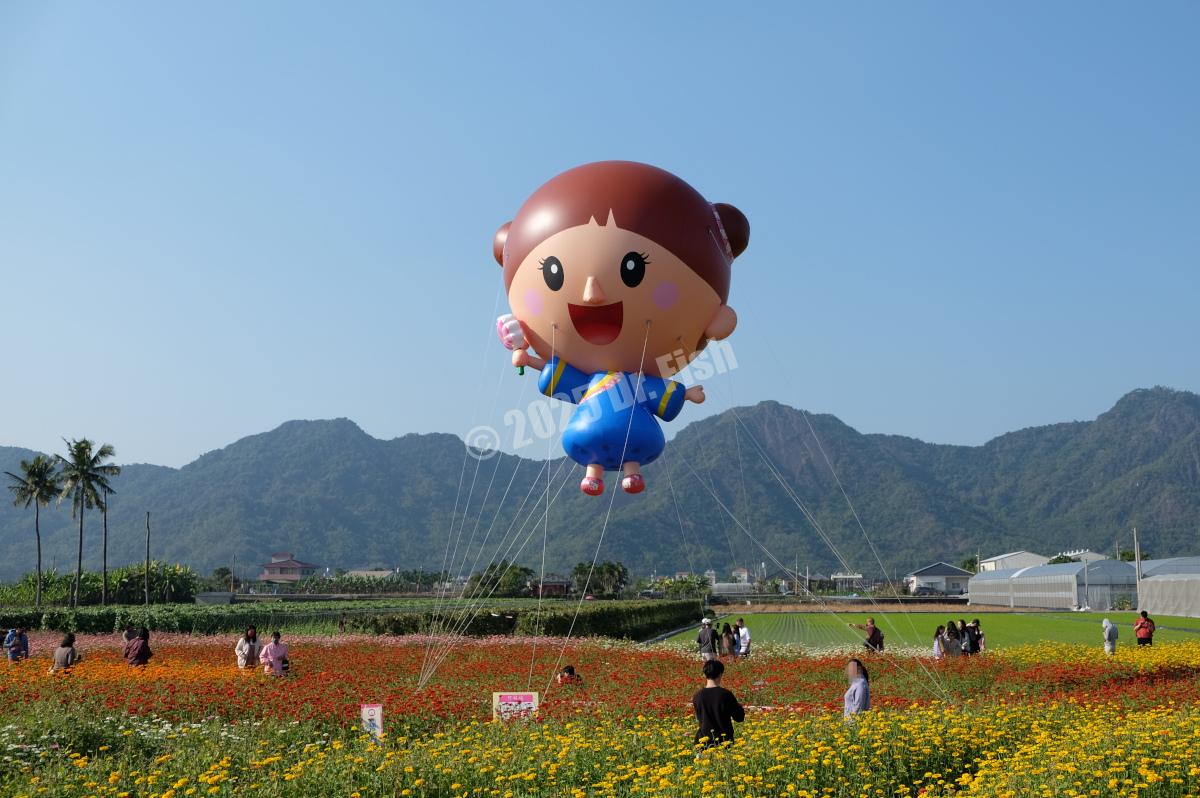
248, 649
858, 696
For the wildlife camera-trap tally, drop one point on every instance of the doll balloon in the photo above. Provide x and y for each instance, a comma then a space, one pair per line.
617, 275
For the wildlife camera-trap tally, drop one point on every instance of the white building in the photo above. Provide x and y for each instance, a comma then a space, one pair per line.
1013, 559
941, 577
741, 575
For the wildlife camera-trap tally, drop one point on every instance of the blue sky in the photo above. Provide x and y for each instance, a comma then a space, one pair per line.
965, 219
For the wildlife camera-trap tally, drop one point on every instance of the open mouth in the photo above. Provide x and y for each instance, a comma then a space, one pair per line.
598, 325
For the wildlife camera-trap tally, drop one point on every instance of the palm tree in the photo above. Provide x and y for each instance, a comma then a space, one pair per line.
84, 474
37, 485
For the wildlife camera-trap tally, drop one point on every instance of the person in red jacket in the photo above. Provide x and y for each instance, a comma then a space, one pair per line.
1144, 630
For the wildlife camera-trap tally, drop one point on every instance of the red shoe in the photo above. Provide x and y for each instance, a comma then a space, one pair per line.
633, 483
592, 486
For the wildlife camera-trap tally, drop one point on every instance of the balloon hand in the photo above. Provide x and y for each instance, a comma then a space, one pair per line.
694, 394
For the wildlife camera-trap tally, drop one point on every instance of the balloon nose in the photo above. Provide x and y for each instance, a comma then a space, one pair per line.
593, 294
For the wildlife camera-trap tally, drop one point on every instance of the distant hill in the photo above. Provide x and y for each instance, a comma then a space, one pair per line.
332, 494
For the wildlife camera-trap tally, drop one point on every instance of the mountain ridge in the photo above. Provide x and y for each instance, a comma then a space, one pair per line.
338, 496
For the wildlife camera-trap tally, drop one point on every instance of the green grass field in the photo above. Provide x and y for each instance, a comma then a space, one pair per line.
1002, 629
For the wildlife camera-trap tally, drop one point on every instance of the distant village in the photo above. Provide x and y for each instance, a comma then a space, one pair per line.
1070, 580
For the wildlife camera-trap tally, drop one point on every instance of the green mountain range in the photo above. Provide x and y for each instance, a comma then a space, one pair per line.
748, 486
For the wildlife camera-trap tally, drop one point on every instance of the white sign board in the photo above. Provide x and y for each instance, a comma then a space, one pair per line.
511, 706
372, 719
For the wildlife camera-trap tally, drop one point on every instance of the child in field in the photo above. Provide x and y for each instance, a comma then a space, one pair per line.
716, 708
939, 652
274, 656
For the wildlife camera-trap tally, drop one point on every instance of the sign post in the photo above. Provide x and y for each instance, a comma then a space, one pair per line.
372, 719
513, 706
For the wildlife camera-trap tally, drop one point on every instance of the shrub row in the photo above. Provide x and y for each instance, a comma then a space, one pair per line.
623, 619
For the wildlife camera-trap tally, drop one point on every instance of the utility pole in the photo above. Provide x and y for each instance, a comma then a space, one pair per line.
1087, 566
1137, 558
147, 573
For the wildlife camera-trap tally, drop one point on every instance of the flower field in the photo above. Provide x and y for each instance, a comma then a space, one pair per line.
1040, 720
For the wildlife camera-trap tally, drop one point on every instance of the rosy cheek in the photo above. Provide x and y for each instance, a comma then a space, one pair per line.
533, 302
665, 296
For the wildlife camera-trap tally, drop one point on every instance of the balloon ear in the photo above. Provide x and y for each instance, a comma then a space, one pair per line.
737, 227
499, 241
722, 324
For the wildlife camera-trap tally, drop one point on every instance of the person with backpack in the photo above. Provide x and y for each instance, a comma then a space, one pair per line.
1144, 630
707, 640
16, 643
971, 647
874, 641
274, 657
1110, 636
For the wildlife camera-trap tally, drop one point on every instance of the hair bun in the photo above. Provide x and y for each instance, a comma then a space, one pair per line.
499, 241
737, 227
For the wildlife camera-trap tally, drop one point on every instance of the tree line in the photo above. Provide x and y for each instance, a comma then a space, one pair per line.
81, 476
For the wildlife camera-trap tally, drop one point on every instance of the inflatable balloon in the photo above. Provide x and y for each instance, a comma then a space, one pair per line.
617, 275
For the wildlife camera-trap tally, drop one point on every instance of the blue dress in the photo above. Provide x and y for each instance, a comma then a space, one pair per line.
608, 411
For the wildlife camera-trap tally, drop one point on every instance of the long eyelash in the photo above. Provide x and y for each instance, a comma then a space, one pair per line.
645, 257
541, 263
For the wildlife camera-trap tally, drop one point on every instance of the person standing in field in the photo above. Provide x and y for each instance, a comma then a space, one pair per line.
716, 708
939, 651
743, 635
274, 656
951, 645
728, 645
248, 649
1110, 636
137, 650
980, 640
874, 641
65, 655
16, 643
971, 644
707, 640
1144, 630
858, 696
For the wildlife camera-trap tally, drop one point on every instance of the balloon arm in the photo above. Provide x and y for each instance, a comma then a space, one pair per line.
695, 394
522, 358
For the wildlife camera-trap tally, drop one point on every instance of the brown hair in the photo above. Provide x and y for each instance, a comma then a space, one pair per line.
644, 199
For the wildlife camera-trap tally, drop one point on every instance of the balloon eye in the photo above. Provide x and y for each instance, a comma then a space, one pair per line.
633, 269
552, 273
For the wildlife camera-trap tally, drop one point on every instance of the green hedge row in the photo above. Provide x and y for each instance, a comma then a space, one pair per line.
622, 619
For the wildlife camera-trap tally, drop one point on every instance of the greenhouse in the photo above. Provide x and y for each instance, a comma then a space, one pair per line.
1100, 585
1171, 587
